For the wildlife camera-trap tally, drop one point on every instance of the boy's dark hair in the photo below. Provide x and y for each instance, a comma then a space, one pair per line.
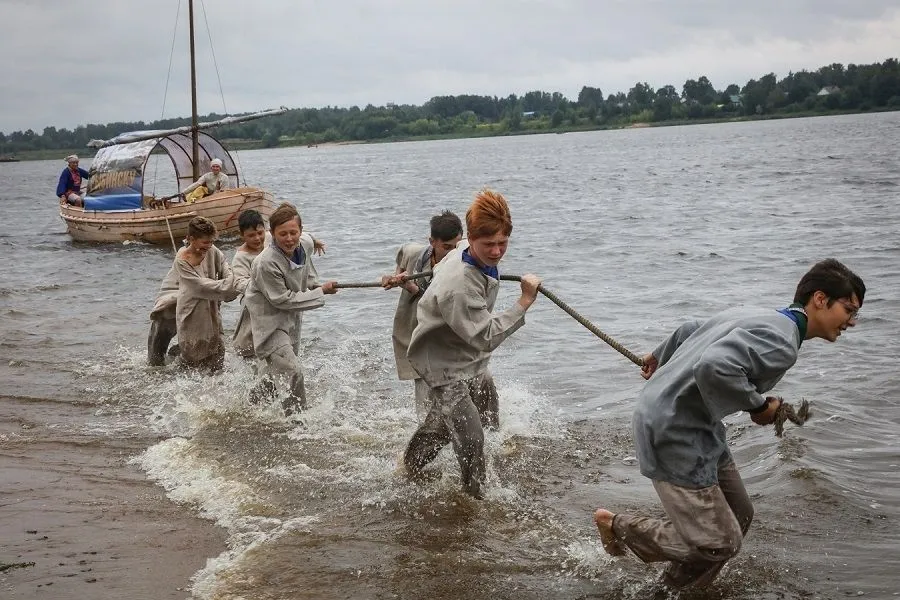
249, 219
445, 226
834, 279
201, 227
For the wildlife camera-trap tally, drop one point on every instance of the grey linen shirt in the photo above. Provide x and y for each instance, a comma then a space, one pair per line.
408, 259
278, 293
456, 330
706, 372
214, 183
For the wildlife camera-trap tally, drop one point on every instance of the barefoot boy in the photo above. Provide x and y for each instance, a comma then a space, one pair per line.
701, 374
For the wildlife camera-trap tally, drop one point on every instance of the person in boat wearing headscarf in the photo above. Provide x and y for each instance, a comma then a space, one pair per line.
452, 343
68, 190
255, 238
283, 285
702, 373
209, 183
446, 233
204, 281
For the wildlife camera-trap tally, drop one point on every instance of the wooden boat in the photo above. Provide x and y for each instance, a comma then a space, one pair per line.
165, 225
116, 208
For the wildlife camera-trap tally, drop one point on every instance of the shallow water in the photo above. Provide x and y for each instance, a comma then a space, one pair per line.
636, 229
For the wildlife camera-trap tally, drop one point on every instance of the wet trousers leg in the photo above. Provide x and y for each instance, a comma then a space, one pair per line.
452, 418
281, 365
704, 528
486, 400
422, 399
162, 330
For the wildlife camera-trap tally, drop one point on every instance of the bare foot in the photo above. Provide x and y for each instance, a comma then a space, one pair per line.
612, 544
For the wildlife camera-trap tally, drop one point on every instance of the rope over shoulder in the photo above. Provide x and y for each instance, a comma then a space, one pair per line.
550, 295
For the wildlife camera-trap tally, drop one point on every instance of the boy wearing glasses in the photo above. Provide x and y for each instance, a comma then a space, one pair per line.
701, 374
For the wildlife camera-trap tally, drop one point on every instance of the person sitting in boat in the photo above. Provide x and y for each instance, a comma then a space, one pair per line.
69, 187
209, 183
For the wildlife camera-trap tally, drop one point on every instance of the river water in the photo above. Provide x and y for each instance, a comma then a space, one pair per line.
637, 229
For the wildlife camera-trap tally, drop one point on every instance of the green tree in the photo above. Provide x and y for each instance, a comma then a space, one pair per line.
667, 99
557, 118
641, 97
590, 96
700, 91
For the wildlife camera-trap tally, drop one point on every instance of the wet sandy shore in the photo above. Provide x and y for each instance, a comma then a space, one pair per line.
92, 524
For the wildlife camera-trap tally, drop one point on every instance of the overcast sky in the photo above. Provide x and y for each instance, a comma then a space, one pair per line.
76, 62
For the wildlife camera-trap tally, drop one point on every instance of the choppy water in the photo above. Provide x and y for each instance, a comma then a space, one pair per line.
637, 229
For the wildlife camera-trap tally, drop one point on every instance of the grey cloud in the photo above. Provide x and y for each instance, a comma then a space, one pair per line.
109, 59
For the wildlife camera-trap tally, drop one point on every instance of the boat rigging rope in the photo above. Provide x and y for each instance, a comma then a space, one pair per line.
166, 91
221, 91
550, 295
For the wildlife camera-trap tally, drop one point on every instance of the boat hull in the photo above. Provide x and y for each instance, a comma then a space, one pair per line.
163, 225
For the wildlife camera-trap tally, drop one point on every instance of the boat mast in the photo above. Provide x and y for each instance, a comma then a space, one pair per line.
195, 131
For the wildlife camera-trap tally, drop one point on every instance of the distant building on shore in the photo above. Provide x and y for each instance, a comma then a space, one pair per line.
829, 90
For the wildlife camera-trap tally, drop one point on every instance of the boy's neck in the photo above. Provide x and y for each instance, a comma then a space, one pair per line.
248, 250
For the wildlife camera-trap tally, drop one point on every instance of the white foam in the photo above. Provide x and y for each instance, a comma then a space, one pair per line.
355, 437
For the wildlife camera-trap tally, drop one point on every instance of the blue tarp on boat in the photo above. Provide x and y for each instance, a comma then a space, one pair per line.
113, 202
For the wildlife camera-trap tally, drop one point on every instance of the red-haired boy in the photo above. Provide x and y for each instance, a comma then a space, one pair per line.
452, 343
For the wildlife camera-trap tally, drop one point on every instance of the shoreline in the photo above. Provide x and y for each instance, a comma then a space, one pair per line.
92, 525
243, 145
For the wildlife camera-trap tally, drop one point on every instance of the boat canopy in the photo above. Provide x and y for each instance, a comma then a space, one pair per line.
117, 171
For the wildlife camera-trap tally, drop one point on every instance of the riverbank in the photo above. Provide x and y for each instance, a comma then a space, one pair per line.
481, 131
79, 522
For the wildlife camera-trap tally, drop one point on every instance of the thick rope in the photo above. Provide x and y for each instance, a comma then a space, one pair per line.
581, 319
787, 412
550, 295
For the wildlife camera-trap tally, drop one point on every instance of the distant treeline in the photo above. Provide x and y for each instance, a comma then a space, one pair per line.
830, 88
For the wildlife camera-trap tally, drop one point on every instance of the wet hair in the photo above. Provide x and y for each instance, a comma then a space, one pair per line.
249, 219
488, 215
445, 226
201, 227
284, 213
832, 278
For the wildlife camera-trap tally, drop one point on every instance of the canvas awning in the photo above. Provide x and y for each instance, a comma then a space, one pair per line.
119, 167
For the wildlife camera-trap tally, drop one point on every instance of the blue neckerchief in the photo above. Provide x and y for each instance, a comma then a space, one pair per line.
297, 259
796, 313
489, 271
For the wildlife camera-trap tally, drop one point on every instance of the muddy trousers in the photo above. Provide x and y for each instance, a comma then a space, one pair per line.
423, 402
281, 365
486, 401
703, 530
162, 330
458, 412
